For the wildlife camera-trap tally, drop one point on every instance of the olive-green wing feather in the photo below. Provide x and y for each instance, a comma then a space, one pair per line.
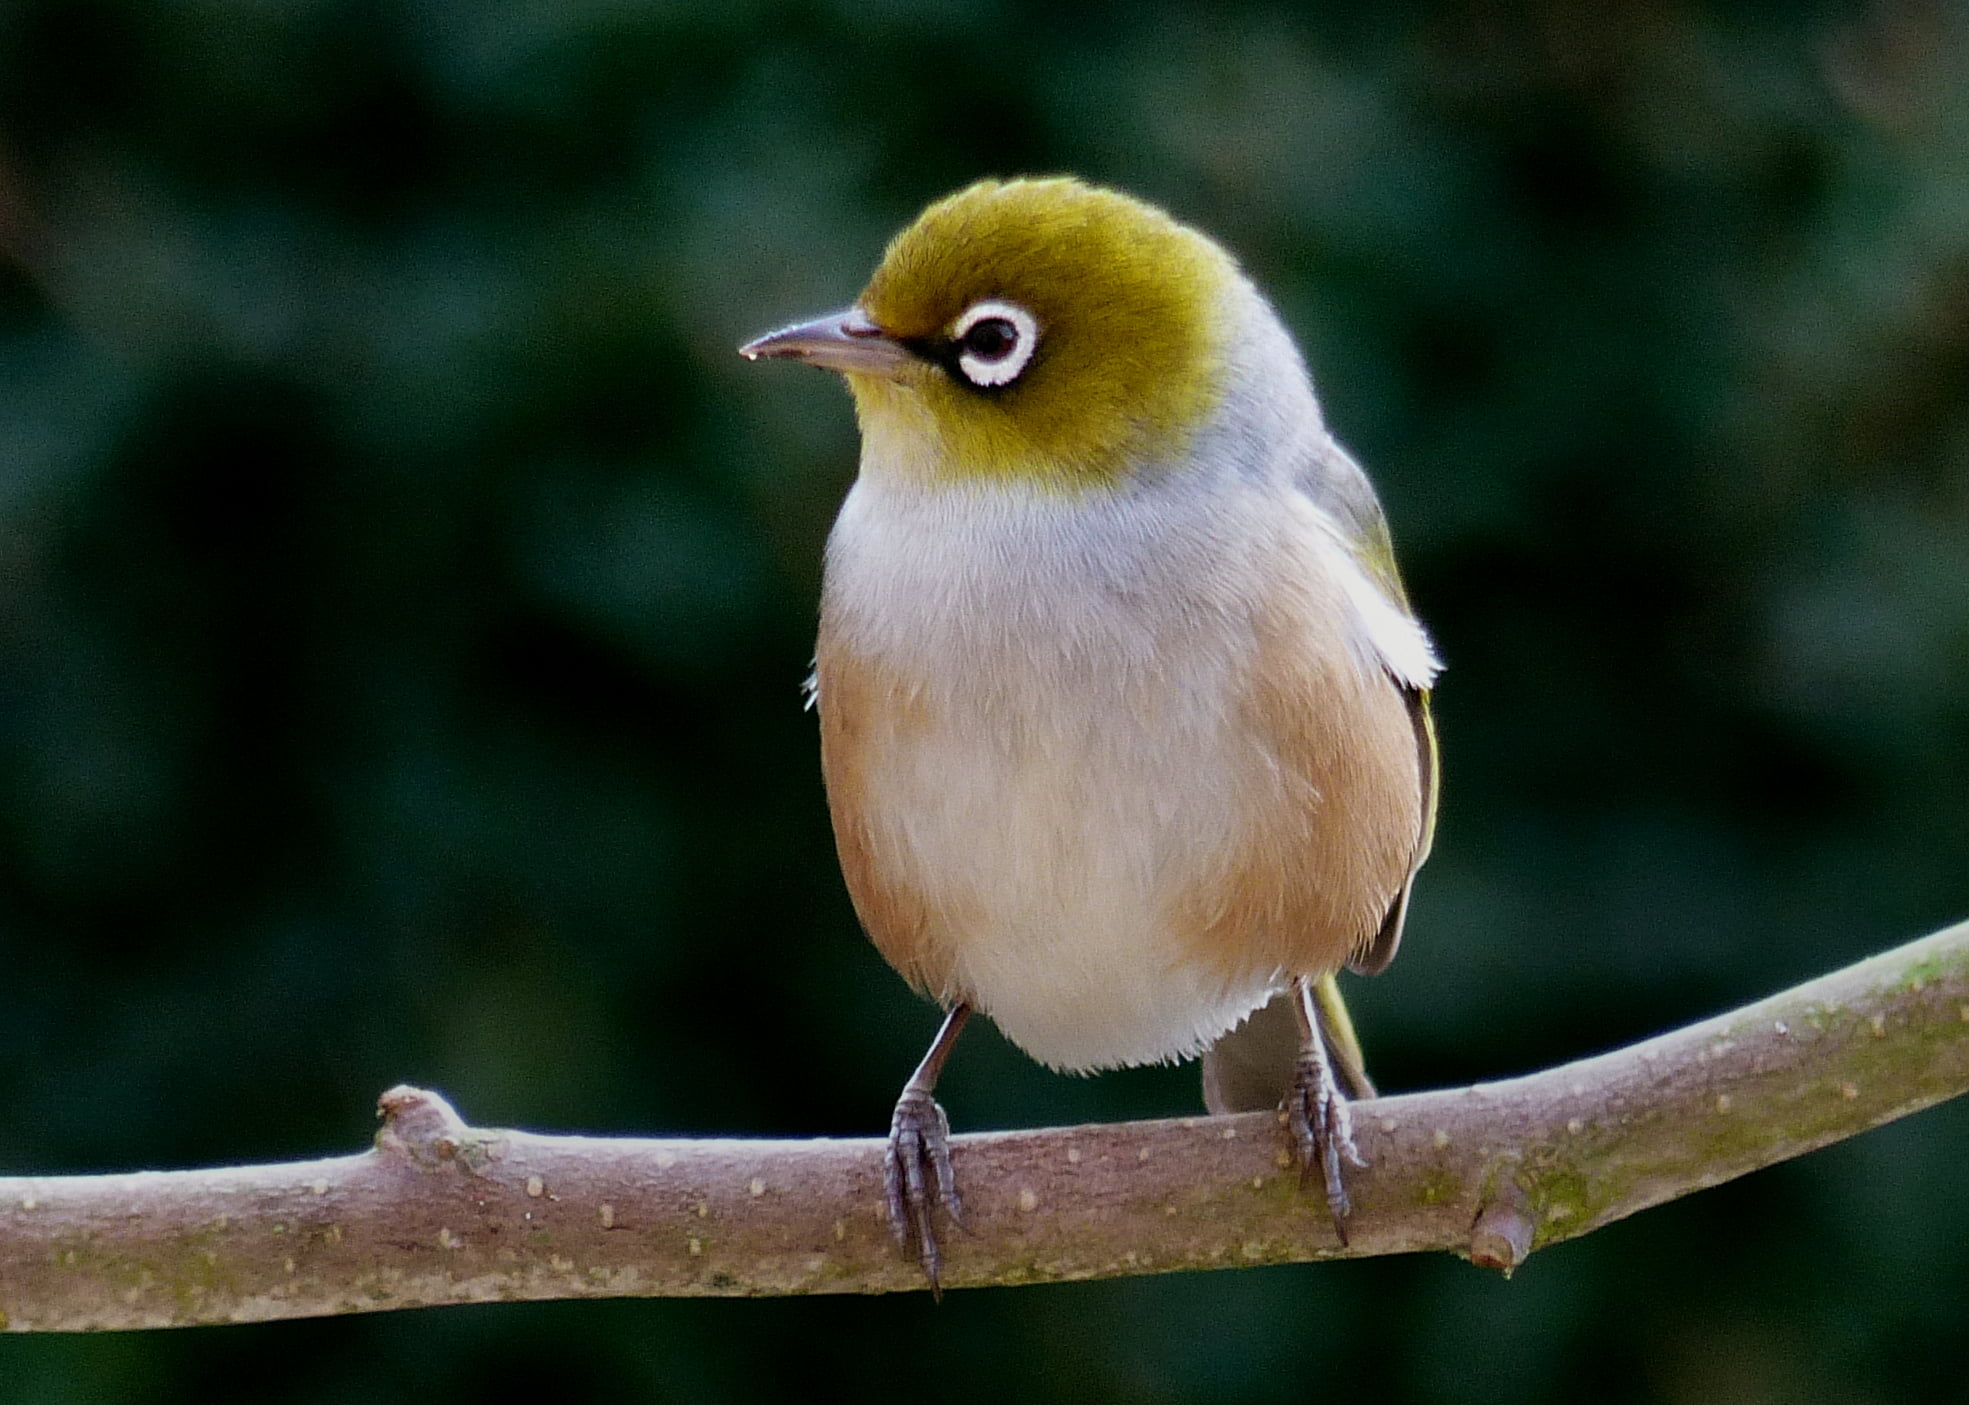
1250, 1068
1374, 958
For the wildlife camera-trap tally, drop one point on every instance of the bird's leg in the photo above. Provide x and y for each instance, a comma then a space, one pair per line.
919, 1153
1316, 1110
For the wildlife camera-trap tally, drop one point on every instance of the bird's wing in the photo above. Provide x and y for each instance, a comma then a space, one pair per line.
1346, 501
1250, 1068
1373, 959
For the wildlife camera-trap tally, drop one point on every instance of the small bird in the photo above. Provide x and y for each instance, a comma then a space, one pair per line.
1124, 712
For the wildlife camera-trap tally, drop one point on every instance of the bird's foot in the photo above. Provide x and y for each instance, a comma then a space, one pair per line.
1317, 1118
917, 1170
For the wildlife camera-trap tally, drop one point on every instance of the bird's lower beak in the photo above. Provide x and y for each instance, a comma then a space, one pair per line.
841, 341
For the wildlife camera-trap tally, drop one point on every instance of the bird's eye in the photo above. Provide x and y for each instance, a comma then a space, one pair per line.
994, 342
991, 339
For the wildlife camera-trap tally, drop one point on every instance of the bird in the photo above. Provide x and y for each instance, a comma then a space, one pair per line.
1124, 711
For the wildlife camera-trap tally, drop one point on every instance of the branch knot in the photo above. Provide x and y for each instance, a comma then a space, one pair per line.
420, 1126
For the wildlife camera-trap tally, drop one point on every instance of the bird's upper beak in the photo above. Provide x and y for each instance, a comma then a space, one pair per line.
841, 341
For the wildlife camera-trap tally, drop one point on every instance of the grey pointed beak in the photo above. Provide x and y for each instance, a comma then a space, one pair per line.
841, 341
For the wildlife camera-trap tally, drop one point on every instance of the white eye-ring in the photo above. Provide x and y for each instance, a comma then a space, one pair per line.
995, 342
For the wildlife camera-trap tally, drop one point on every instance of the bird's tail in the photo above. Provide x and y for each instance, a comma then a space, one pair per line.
1250, 1069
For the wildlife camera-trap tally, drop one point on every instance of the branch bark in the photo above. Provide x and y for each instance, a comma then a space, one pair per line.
441, 1212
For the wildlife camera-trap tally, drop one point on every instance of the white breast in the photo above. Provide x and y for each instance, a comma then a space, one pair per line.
1082, 661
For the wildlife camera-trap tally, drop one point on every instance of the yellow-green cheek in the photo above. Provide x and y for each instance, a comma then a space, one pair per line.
929, 426
1131, 307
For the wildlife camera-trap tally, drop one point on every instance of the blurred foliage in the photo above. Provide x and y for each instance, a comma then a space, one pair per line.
405, 591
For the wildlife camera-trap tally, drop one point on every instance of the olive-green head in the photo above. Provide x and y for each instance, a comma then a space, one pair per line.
1039, 329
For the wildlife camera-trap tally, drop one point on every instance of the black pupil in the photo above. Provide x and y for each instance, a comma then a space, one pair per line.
992, 339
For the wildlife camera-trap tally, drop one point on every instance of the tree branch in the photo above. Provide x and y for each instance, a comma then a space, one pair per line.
440, 1212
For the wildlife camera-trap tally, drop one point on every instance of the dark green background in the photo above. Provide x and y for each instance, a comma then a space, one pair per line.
405, 591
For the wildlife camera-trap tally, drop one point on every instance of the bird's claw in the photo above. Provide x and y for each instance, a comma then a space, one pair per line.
1318, 1119
918, 1155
